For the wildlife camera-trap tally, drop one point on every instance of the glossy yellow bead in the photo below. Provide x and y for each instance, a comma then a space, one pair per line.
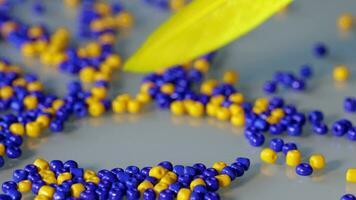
258, 110
102, 76
63, 177
44, 121
278, 113
94, 179
30, 102
202, 65
119, 106
196, 182
268, 155
223, 114
47, 191
144, 185
99, 92
96, 109
238, 120
2, 149
184, 194
17, 129
158, 172
24, 186
346, 21
28, 50
237, 98
219, 166
167, 88
94, 49
144, 98
113, 61
58, 103
6, 92
169, 178
33, 129
50, 180
35, 86
87, 74
89, 173
124, 19
351, 175
46, 173
224, 180
41, 164
272, 120
42, 197
317, 161
159, 187
236, 109
46, 58
177, 108
341, 73
19, 82
261, 103
196, 110
293, 158
230, 77
134, 106
211, 109
76, 189
217, 100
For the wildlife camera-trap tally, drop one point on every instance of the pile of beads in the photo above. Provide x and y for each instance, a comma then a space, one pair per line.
62, 180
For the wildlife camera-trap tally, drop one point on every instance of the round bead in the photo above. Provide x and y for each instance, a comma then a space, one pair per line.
341, 73
346, 21
350, 104
348, 197
320, 50
304, 169
268, 155
293, 158
317, 161
276, 144
288, 147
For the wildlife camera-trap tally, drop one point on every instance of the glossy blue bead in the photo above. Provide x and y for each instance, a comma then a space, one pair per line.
166, 164
56, 126
166, 195
190, 171
114, 193
31, 168
184, 180
351, 134
199, 167
288, 147
276, 129
210, 172
240, 170
19, 175
8, 186
320, 50
270, 87
231, 172
211, 196
132, 194
304, 169
196, 196
298, 84
315, 116
212, 184
348, 197
59, 195
257, 140
294, 130
37, 185
13, 152
2, 161
149, 194
90, 186
298, 118
276, 144
320, 128
70, 164
34, 177
261, 124
339, 128
200, 189
306, 71
55, 165
245, 162
289, 109
350, 104
5, 197
132, 170
175, 187
14, 194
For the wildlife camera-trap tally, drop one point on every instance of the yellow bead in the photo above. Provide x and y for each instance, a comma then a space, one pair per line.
268, 156
177, 108
272, 119
87, 74
41, 164
119, 106
238, 120
30, 102
230, 77
293, 158
167, 88
197, 182
50, 180
124, 19
28, 50
33, 129
278, 113
317, 161
6, 92
219, 166
24, 186
46, 173
94, 49
224, 180
58, 103
99, 92
341, 73
261, 103
202, 65
146, 86
196, 110
71, 3
134, 106
144, 185
169, 178
159, 187
2, 149
113, 61
63, 177
47, 191
35, 32
17, 129
46, 58
144, 98
237, 98
96, 109
94, 179
236, 109
223, 113
217, 100
43, 120
35, 86
42, 197
123, 97
107, 38
184, 194
102, 8
346, 21
19, 82
40, 46
76, 189
211, 109
351, 175
88, 174
158, 172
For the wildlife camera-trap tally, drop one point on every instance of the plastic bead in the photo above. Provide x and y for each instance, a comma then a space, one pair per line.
47, 191
348, 197
351, 175
341, 73
219, 166
350, 104
317, 161
276, 144
224, 180
76, 189
268, 155
293, 158
24, 186
320, 50
183, 194
346, 21
304, 169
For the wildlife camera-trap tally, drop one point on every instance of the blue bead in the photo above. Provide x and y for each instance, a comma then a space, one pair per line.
276, 129
59, 195
14, 194
166, 164
87, 194
351, 134
175, 187
231, 172
55, 165
210, 172
289, 109
132, 170
299, 118
348, 197
190, 171
149, 194
306, 71
200, 189
245, 162
212, 184
113, 194
184, 180
166, 195
132, 194
320, 128
288, 147
13, 152
199, 167
2, 161
261, 124
196, 196
131, 183
90, 186
315, 116
298, 84
19, 175
257, 140
8, 186
77, 172
37, 185
270, 87
56, 126
5, 197
211, 196
304, 169
350, 104
339, 128
320, 50
70, 164
145, 171
34, 177
294, 130
276, 144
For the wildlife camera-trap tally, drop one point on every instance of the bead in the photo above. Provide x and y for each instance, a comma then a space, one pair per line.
177, 108
351, 135
144, 186
270, 87
183, 194
348, 197
224, 180
63, 177
340, 128
304, 169
47, 191
33, 129
149, 194
223, 113
288, 147
341, 73
24, 186
351, 175
306, 71
197, 182
41, 164
320, 128
17, 129
276, 144
76, 189
159, 187
238, 120
320, 50
317, 161
119, 106
350, 104
346, 21
293, 158
245, 162
315, 116
134, 106
268, 155
158, 172
96, 109
219, 166
230, 77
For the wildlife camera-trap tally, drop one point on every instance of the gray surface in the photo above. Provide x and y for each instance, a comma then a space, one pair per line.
282, 43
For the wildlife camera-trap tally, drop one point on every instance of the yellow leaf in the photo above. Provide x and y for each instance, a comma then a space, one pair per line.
201, 27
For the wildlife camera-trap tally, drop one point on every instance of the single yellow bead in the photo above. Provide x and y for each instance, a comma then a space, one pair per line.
58, 103
207, 88
99, 92
50, 180
113, 61
96, 109
35, 86
94, 179
6, 92
177, 108
230, 77
236, 109
211, 109
124, 19
237, 98
144, 98
261, 103
119, 106
184, 194
17, 129
47, 191
2, 149
144, 185
87, 74
46, 173
238, 120
35, 31
44, 121
346, 21
341, 73
202, 65
123, 97
196, 110
224, 180
217, 100
159, 187
33, 129
102, 76
134, 106
278, 113
76, 189
28, 50
167, 88
293, 158
196, 182
88, 174
351, 175
272, 119
169, 178
94, 49
158, 172
42, 197
258, 110
24, 186
219, 166
223, 113
63, 177
317, 161
268, 155
30, 102
19, 82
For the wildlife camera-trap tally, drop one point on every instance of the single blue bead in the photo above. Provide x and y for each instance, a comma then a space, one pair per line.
70, 164
210, 172
304, 169
261, 124
175, 187
90, 186
196, 196
289, 109
276, 144
294, 130
276, 102
320, 50
212, 184
239, 169
199, 167
200, 189
231, 172
145, 171
149, 194
14, 194
19, 175
299, 118
190, 171
166, 164
348, 197
13, 152
315, 116
339, 128
270, 87
151, 179
350, 104
211, 196
55, 165
245, 162
37, 185
276, 129
288, 147
257, 140
132, 170
59, 195
320, 128
132, 183
8, 186
351, 134
56, 126
114, 193
132, 194
306, 71
184, 180
2, 161
298, 84
166, 195
34, 177
5, 197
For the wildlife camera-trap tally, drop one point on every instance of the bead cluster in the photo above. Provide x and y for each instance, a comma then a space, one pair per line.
63, 180
173, 5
